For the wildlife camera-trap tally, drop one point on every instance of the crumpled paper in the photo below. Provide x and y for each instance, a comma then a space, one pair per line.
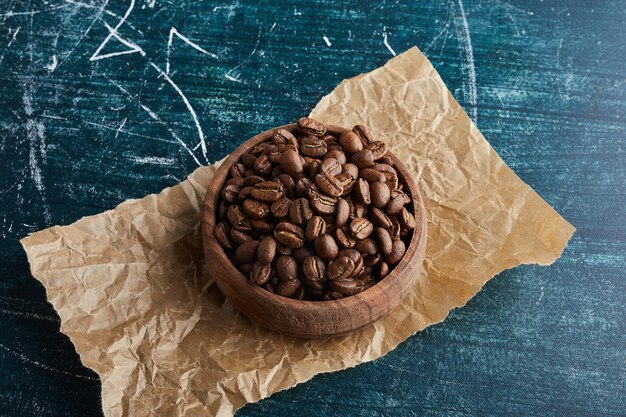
133, 294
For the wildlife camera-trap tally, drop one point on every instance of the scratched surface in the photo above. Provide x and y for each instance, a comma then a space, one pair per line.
108, 100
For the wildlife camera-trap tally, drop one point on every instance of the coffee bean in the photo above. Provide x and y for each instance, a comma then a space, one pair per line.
245, 269
378, 148
362, 191
300, 211
274, 155
342, 212
351, 170
237, 170
288, 184
330, 140
383, 270
312, 146
356, 209
268, 191
350, 142
384, 240
238, 236
266, 250
329, 184
263, 165
259, 149
248, 160
222, 210
330, 167
305, 187
346, 287
347, 183
363, 159
284, 137
256, 209
290, 162
236, 181
406, 219
315, 227
280, 208
356, 258
283, 250
363, 133
360, 228
313, 269
288, 288
323, 204
246, 252
397, 252
371, 260
371, 175
269, 287
340, 268
261, 226
396, 228
221, 234
398, 200
337, 155
331, 295
311, 126
238, 218
366, 246
344, 239
286, 268
380, 194
300, 253
379, 218
289, 234
244, 193
230, 193
252, 179
325, 247
260, 273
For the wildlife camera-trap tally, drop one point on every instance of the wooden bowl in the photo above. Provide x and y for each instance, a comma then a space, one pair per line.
310, 319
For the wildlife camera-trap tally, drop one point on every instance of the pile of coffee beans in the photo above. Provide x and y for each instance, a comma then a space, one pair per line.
312, 215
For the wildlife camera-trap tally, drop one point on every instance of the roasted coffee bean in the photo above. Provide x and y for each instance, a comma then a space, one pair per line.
300, 211
342, 212
337, 155
356, 209
280, 208
230, 193
406, 219
316, 226
238, 218
274, 155
351, 170
312, 146
347, 183
363, 159
237, 170
236, 181
340, 268
329, 184
363, 133
244, 193
348, 286
356, 258
311, 126
221, 234
398, 200
269, 287
252, 180
396, 228
330, 139
222, 210
301, 253
238, 236
268, 191
325, 247
266, 250
288, 184
260, 273
344, 239
384, 240
289, 234
286, 268
378, 148
299, 294
350, 142
284, 137
383, 270
246, 252
314, 269
323, 204
305, 187
397, 252
258, 150
379, 218
380, 194
256, 209
290, 162
371, 175
263, 165
366, 246
248, 160
330, 167
288, 288
311, 167
361, 228
283, 250
362, 191
245, 269
331, 295
372, 260
261, 226
278, 170
274, 278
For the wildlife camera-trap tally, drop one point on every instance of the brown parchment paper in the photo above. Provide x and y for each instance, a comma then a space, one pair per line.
134, 297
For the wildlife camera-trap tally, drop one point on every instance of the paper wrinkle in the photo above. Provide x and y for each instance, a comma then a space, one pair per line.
132, 290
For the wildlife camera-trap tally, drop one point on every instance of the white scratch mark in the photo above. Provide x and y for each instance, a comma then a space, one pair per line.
471, 68
540, 296
230, 77
296, 12
154, 160
387, 43
117, 132
273, 26
174, 31
133, 48
53, 65
236, 78
558, 54
327, 40
9, 44
25, 359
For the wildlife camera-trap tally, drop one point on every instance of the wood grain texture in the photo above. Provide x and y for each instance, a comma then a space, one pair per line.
311, 319
545, 81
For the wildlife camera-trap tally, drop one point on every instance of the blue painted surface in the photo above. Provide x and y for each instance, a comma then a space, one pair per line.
81, 136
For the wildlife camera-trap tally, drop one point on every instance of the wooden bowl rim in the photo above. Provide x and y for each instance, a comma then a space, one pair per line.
413, 250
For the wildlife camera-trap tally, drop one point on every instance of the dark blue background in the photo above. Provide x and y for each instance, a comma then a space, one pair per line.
550, 84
